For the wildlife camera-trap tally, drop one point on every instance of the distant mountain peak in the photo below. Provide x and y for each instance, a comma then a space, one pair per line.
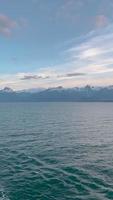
7, 89
59, 94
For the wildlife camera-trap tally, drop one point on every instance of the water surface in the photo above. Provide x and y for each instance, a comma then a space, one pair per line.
56, 151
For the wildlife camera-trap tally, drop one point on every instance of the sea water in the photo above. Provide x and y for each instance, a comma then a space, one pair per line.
56, 151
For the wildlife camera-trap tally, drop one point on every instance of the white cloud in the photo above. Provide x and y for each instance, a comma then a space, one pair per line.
89, 62
95, 54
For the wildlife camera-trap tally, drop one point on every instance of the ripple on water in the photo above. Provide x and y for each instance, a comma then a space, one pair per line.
56, 151
3, 195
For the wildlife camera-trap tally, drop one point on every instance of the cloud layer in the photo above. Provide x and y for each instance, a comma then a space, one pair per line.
89, 62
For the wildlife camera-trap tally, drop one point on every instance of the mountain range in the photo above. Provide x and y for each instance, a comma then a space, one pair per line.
59, 94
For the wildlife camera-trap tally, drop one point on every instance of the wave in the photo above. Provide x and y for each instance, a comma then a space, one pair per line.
3, 195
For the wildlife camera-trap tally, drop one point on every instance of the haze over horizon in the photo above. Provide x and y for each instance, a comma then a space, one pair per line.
48, 43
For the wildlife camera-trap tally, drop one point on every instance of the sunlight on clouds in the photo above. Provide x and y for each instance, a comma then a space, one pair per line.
95, 54
89, 62
89, 53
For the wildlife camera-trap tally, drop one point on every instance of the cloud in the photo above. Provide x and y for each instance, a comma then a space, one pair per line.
88, 61
43, 76
101, 21
7, 25
33, 77
75, 74
78, 12
30, 77
71, 75
94, 55
90, 53
69, 10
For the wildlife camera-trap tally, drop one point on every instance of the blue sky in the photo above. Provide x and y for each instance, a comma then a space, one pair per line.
48, 43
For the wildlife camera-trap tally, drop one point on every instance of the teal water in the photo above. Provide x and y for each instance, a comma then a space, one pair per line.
56, 151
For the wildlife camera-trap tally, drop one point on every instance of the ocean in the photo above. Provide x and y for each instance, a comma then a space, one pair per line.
56, 151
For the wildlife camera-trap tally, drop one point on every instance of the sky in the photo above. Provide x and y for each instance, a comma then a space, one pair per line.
51, 43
